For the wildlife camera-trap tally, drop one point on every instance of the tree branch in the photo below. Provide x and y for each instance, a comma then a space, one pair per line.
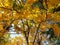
36, 33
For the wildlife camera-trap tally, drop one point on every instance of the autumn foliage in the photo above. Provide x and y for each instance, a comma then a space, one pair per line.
34, 19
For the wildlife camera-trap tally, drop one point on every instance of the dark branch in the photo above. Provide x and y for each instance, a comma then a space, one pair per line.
36, 33
56, 9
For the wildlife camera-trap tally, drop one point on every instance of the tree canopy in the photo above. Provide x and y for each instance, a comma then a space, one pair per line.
38, 21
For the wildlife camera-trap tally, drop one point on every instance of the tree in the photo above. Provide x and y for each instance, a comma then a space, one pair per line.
36, 20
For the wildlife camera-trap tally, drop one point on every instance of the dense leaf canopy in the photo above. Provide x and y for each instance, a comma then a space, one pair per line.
35, 20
